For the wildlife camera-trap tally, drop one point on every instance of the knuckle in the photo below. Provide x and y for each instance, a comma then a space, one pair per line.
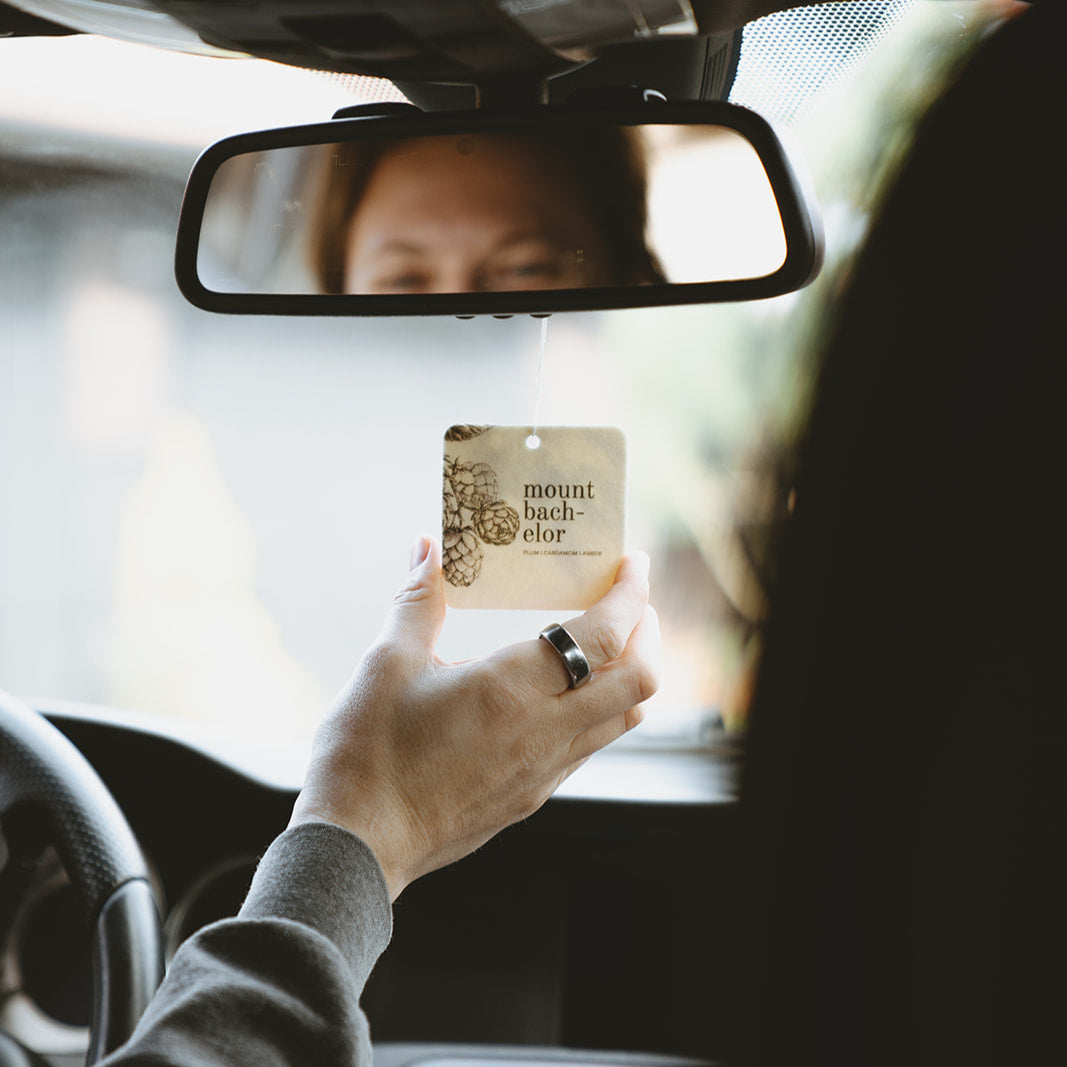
643, 681
381, 660
411, 592
384, 666
606, 643
634, 717
503, 704
647, 682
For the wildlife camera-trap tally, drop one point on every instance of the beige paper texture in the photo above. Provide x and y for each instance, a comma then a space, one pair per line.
540, 528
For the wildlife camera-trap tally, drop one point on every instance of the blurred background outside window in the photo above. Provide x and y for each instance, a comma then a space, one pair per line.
205, 517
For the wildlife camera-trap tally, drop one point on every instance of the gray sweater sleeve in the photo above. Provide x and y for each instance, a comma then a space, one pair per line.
281, 982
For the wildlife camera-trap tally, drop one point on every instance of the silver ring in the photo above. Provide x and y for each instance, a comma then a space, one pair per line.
570, 652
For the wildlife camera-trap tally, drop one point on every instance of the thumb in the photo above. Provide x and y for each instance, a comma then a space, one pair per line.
419, 604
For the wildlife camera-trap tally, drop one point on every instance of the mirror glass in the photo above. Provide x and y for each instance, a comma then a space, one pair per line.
575, 207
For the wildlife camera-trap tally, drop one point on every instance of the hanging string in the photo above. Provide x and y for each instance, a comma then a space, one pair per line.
533, 441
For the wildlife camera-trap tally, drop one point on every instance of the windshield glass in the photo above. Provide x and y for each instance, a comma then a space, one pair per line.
205, 517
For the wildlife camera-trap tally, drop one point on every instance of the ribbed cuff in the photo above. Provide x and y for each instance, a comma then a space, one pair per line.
328, 879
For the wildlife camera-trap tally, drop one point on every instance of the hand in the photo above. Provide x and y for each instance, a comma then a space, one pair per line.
427, 760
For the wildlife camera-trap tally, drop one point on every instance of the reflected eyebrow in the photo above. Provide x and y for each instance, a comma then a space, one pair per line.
539, 234
397, 246
407, 246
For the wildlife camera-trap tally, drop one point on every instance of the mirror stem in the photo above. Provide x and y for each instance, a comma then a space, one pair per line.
512, 95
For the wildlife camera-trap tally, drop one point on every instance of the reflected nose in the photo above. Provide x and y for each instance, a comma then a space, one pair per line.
459, 275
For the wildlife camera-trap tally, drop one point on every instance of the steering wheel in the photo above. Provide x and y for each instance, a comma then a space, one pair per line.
41, 770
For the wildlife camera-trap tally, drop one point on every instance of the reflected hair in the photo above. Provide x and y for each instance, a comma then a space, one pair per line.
606, 165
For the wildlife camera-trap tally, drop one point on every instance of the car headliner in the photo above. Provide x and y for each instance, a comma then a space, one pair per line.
340, 37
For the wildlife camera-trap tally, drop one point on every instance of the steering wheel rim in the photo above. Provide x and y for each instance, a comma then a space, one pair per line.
41, 769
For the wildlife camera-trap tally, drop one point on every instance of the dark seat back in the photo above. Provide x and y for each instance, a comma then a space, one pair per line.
903, 798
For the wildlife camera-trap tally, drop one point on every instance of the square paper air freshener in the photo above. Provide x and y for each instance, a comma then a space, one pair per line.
532, 527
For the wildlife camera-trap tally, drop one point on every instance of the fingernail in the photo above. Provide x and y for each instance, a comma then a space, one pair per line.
419, 551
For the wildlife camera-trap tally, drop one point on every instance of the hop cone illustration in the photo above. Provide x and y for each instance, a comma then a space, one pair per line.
464, 433
497, 523
450, 516
473, 483
461, 556
472, 514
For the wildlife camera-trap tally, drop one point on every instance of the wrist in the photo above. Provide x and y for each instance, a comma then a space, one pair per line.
395, 879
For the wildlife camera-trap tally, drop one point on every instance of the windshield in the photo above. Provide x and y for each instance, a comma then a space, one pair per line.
205, 517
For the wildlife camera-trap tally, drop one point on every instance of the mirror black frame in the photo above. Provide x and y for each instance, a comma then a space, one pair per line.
801, 221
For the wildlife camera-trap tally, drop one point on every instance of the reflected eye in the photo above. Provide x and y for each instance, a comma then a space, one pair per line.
527, 271
533, 270
528, 267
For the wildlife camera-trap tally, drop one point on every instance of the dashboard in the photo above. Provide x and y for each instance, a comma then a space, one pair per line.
589, 926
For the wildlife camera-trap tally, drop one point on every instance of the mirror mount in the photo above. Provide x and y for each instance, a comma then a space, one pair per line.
681, 67
511, 95
376, 111
611, 97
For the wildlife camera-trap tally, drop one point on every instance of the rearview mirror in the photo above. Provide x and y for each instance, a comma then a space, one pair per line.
468, 213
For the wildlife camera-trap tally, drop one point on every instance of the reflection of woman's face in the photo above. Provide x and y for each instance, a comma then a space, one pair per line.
471, 214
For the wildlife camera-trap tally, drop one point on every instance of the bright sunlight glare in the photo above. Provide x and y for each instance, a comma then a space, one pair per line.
97, 87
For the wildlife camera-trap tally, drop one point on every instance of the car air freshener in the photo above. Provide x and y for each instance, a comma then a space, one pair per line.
532, 519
